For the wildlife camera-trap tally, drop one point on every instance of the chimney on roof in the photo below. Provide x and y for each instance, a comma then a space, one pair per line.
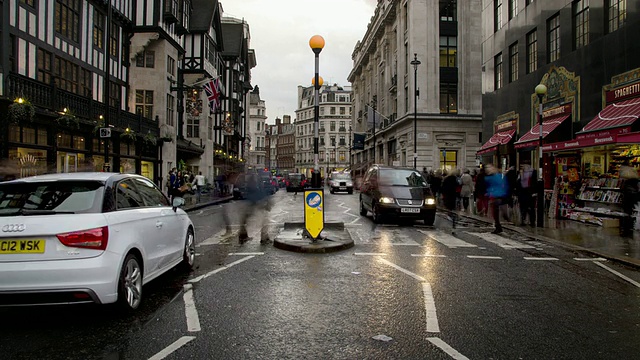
286, 119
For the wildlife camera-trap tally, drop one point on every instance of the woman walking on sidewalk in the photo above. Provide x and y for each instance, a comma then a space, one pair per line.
496, 190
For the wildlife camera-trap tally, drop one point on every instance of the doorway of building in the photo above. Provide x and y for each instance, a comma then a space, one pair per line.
67, 162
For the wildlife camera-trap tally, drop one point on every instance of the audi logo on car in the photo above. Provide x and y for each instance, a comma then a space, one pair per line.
13, 228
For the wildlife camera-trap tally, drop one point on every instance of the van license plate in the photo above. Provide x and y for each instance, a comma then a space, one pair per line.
409, 210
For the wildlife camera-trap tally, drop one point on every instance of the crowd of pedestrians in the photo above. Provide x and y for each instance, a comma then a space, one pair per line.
487, 191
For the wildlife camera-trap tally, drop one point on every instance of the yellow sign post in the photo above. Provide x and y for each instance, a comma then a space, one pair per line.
314, 212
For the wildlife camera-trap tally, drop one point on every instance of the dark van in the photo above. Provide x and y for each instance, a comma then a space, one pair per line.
295, 182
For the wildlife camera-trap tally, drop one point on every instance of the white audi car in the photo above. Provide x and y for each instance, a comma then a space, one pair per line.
88, 237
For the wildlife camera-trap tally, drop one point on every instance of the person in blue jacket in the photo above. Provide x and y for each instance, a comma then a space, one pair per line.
496, 191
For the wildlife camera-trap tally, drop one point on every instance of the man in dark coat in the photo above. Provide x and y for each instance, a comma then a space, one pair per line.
450, 195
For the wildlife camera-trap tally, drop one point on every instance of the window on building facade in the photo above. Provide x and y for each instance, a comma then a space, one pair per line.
617, 14
332, 110
342, 110
448, 159
193, 127
84, 83
98, 29
332, 126
528, 2
532, 52
28, 2
144, 103
67, 18
448, 51
554, 38
406, 99
342, 128
581, 23
448, 10
342, 141
210, 128
258, 126
497, 15
405, 16
170, 111
171, 65
43, 64
115, 94
333, 141
497, 76
114, 44
513, 8
146, 59
513, 62
210, 50
448, 98
66, 74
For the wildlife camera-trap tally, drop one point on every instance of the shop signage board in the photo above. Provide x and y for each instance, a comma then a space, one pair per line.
591, 139
314, 212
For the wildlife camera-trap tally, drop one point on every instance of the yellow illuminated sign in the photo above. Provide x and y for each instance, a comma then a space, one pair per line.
314, 212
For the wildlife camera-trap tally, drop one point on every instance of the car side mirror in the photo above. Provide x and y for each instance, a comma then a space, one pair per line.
177, 202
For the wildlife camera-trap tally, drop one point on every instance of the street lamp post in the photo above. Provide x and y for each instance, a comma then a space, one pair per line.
375, 99
316, 43
541, 90
415, 62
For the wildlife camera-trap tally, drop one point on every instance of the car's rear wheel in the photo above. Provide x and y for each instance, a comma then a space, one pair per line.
363, 211
375, 212
130, 283
430, 218
189, 253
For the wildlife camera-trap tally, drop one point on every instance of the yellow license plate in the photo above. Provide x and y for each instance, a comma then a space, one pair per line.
21, 246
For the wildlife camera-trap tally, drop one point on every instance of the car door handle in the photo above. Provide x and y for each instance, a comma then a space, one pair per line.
159, 224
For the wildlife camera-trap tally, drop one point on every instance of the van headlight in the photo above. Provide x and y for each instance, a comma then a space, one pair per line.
430, 201
386, 200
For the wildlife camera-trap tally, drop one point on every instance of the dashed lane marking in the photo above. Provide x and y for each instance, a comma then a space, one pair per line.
541, 258
429, 255
202, 277
171, 348
590, 259
447, 348
247, 254
484, 257
193, 320
369, 254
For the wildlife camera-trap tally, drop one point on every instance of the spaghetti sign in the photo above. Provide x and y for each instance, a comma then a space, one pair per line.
314, 212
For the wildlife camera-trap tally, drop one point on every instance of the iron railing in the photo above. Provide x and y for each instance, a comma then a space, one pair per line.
54, 99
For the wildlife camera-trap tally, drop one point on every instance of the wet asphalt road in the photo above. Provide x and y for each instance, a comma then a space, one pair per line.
437, 296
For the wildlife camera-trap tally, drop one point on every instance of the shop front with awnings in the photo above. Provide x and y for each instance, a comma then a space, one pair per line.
554, 127
499, 148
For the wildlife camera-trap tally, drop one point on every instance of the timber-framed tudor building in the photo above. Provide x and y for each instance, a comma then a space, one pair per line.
55, 94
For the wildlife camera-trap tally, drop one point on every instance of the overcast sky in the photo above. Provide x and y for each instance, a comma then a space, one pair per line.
280, 33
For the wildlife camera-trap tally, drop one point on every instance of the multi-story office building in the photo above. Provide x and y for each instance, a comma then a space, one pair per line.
419, 66
65, 68
257, 130
585, 54
271, 147
334, 116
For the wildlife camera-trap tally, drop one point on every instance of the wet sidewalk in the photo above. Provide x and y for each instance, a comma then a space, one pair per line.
598, 240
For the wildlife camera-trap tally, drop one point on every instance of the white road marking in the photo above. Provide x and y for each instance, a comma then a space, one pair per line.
193, 320
501, 241
247, 253
430, 306
369, 254
202, 277
590, 259
541, 258
484, 257
447, 348
635, 283
415, 276
171, 348
447, 240
429, 255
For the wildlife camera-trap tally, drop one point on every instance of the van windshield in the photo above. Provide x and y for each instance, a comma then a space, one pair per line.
401, 177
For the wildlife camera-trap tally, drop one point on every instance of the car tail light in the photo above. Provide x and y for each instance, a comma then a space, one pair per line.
90, 239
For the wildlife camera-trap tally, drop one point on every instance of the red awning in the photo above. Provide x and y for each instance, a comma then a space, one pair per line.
622, 113
532, 137
499, 138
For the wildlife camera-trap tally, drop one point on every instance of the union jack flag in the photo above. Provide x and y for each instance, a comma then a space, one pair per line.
212, 89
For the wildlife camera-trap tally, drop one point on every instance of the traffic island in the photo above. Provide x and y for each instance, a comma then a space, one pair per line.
334, 237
